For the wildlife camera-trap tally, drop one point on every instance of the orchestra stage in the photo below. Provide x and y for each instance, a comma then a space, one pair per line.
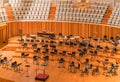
12, 50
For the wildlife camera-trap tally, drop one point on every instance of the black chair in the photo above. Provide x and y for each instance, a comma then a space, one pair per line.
35, 59
95, 70
34, 46
45, 59
71, 67
54, 52
61, 62
24, 56
24, 45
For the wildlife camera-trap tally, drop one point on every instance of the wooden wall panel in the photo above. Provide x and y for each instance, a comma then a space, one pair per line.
84, 30
115, 31
3, 34
65, 28
74, 28
12, 28
95, 31
54, 27
58, 27
39, 26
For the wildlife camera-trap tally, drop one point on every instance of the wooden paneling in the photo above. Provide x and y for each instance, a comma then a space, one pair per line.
3, 34
74, 28
64, 27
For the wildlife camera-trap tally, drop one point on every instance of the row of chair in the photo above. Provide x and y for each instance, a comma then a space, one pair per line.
76, 10
28, 1
26, 11
31, 17
29, 4
31, 13
80, 15
102, 3
81, 19
96, 11
115, 16
31, 9
3, 15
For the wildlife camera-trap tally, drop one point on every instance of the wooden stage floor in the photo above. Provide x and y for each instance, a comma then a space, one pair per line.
55, 74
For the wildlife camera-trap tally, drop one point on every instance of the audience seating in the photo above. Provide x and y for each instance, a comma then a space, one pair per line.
3, 15
30, 10
94, 14
114, 18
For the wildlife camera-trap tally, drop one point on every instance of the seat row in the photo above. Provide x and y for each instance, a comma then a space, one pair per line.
22, 9
31, 13
28, 1
31, 17
3, 15
102, 3
96, 11
89, 15
76, 10
29, 4
115, 16
79, 19
31, 9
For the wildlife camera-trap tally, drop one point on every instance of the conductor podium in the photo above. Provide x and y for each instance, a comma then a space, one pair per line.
41, 76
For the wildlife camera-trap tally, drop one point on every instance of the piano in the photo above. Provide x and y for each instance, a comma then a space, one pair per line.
46, 34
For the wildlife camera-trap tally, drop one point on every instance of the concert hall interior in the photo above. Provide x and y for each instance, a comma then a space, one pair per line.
59, 40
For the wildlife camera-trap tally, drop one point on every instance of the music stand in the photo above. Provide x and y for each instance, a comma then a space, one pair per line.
27, 67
